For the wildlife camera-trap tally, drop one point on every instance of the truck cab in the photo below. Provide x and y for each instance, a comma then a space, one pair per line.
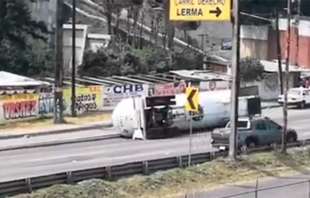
297, 96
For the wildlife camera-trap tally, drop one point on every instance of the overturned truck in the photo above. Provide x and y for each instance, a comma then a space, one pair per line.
163, 116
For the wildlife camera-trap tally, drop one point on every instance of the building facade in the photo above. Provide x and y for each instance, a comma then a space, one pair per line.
261, 42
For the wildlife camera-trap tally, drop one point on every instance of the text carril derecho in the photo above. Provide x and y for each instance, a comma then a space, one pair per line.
194, 7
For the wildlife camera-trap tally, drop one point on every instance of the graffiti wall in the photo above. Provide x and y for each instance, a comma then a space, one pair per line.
168, 89
18, 107
46, 104
114, 94
88, 99
21, 106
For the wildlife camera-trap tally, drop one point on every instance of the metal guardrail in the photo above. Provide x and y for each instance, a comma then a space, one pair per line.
108, 172
117, 171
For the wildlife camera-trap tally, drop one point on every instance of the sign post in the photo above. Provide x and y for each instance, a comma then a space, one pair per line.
200, 10
192, 105
190, 138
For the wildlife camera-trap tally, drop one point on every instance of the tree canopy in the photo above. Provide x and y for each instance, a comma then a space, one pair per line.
22, 40
251, 70
120, 60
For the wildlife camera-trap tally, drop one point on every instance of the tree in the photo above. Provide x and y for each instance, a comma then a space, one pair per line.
251, 70
99, 63
20, 37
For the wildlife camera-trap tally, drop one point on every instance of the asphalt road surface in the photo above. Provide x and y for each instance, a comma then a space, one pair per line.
52, 159
282, 187
298, 119
23, 163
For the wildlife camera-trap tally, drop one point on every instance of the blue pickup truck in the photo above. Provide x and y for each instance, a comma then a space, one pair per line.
252, 132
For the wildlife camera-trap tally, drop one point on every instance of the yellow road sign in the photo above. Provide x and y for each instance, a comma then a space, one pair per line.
200, 10
192, 99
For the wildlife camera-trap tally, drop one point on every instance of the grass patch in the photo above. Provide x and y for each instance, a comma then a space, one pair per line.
177, 182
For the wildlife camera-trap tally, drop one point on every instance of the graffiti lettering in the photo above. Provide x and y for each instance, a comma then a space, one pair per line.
46, 103
169, 89
128, 88
86, 103
87, 99
17, 110
114, 94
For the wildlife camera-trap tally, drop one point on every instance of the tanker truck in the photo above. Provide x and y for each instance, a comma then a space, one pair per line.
168, 114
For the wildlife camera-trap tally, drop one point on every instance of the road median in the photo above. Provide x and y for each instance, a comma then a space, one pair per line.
54, 142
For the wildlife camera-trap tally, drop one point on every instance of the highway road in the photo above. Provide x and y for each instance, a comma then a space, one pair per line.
52, 159
39, 161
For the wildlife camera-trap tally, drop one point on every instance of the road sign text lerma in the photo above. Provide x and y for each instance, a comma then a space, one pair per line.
192, 99
200, 10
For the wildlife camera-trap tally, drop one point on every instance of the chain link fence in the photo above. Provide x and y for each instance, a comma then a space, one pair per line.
284, 188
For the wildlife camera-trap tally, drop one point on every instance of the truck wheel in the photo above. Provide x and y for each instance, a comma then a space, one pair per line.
302, 105
291, 138
249, 143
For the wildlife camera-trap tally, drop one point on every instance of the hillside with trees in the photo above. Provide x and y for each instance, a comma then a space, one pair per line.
130, 52
24, 49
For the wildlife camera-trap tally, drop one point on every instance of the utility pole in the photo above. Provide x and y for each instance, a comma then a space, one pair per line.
202, 40
190, 138
203, 36
299, 8
288, 42
73, 94
58, 95
141, 30
235, 82
279, 51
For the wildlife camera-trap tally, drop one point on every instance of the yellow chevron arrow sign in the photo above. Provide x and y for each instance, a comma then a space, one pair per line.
192, 99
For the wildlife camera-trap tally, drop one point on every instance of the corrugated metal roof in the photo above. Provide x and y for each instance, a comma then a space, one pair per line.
272, 66
201, 75
8, 79
151, 79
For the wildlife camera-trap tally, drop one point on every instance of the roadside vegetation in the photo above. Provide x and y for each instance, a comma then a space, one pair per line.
128, 60
178, 182
251, 70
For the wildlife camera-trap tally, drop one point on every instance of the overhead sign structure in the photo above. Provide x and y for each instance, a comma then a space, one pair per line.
192, 99
200, 10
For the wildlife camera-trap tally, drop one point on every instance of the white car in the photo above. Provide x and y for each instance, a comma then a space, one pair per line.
297, 96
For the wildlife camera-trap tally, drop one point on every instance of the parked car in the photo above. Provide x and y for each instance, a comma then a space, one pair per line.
297, 96
252, 132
